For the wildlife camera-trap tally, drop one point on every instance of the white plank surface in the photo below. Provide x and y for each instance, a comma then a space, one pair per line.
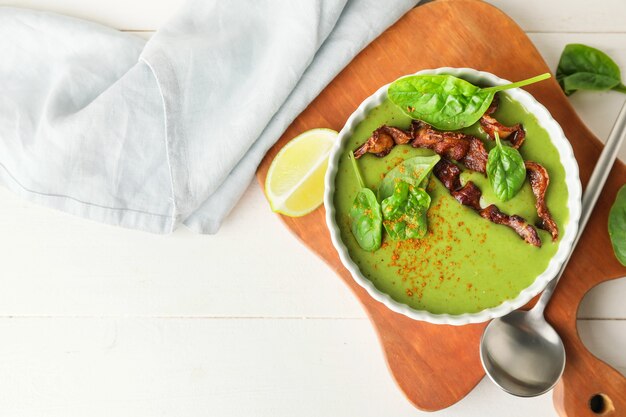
598, 335
574, 16
245, 367
183, 367
103, 321
88, 269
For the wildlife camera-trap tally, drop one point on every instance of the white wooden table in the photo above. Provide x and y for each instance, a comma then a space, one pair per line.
101, 321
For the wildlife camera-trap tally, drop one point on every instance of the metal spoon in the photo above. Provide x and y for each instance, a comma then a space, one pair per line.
521, 352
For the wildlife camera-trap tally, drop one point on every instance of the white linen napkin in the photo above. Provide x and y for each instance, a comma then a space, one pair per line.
103, 125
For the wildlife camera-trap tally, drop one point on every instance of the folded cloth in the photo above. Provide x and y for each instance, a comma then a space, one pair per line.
103, 125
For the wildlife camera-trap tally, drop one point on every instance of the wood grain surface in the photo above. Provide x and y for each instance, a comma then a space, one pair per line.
436, 366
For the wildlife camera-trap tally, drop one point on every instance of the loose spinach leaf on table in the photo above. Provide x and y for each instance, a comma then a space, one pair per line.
366, 218
444, 101
582, 67
405, 212
413, 171
506, 170
617, 225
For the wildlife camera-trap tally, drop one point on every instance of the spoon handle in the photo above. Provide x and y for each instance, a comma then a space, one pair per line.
590, 197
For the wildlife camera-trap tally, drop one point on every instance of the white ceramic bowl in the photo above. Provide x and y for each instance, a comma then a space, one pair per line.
571, 178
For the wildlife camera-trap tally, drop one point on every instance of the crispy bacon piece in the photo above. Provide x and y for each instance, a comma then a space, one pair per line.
382, 141
515, 222
452, 145
457, 146
448, 173
515, 134
539, 181
469, 195
476, 156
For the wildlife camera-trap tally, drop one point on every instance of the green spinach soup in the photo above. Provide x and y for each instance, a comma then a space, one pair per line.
464, 263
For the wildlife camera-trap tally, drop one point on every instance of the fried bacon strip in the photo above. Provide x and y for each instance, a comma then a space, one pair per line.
476, 157
515, 134
457, 146
449, 174
469, 195
539, 181
382, 141
515, 222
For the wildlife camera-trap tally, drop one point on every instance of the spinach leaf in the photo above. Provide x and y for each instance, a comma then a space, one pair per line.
395, 205
405, 212
582, 67
413, 171
444, 101
506, 170
617, 225
365, 215
366, 220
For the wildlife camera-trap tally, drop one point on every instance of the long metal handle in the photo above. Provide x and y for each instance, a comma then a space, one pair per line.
590, 197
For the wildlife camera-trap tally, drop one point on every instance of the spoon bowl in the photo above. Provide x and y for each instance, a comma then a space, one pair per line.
522, 354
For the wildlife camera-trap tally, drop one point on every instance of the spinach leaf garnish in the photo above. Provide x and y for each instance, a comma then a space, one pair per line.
617, 225
404, 199
413, 171
365, 214
506, 170
582, 67
444, 101
405, 212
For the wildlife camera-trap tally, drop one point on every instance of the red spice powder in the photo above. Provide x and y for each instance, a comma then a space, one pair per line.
424, 264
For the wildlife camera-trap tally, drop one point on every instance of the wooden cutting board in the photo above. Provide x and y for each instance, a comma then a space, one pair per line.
435, 365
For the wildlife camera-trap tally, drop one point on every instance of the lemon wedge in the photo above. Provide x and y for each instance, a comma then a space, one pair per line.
295, 180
